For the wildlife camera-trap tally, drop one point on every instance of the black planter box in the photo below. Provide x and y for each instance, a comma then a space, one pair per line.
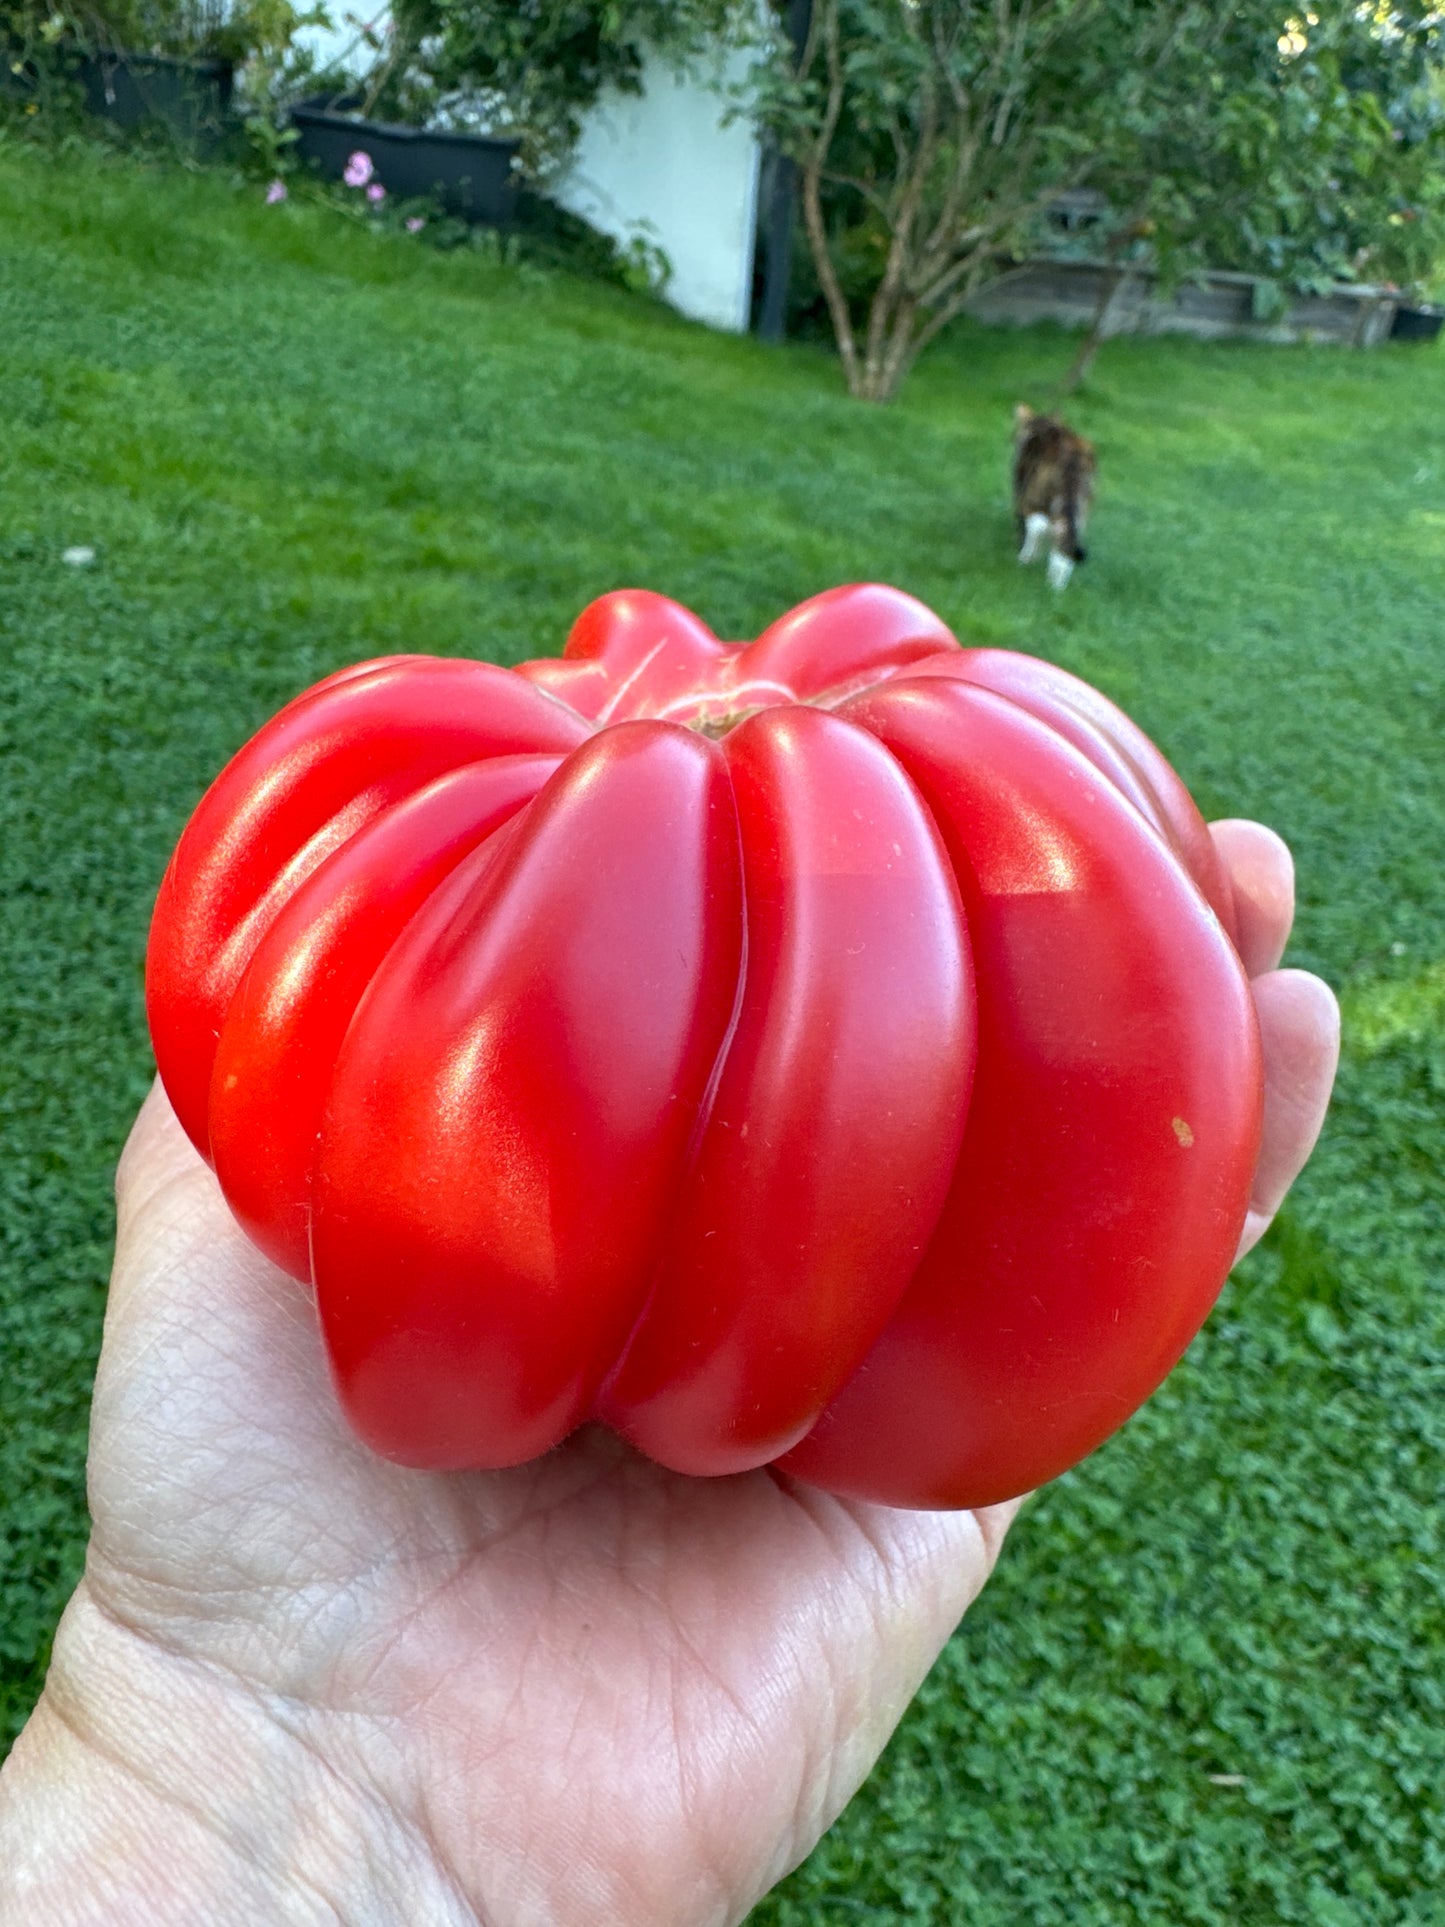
190, 98
1417, 324
470, 174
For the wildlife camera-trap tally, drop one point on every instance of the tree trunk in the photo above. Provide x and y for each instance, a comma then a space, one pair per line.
825, 28
1110, 300
828, 279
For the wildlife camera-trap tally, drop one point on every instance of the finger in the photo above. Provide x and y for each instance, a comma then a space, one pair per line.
1262, 872
1299, 1024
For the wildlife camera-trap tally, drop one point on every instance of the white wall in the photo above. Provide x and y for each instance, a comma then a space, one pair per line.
340, 42
660, 166
663, 166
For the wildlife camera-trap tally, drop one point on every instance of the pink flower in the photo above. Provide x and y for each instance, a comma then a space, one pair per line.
358, 170
414, 224
275, 192
376, 193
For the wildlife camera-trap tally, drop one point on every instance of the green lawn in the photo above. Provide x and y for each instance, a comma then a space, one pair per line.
293, 444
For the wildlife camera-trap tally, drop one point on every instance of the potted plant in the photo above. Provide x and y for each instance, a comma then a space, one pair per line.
127, 70
472, 175
189, 95
160, 63
461, 98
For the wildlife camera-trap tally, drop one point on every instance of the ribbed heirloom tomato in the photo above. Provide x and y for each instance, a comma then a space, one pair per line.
828, 1051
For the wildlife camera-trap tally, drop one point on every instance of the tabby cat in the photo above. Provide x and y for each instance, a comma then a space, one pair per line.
1053, 491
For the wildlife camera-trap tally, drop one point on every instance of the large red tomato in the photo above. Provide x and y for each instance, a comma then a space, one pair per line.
827, 1051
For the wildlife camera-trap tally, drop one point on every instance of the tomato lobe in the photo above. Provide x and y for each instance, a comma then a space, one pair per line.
826, 1052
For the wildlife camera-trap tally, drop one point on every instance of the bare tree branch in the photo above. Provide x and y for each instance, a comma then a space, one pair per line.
884, 306
825, 16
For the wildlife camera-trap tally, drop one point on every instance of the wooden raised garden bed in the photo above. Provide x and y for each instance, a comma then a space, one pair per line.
1220, 304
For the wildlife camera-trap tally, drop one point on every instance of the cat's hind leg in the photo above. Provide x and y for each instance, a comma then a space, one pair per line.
1036, 528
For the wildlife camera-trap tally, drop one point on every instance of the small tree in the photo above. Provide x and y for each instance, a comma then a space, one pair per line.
929, 132
932, 135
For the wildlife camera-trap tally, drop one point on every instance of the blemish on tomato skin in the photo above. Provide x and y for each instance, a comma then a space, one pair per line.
1182, 1132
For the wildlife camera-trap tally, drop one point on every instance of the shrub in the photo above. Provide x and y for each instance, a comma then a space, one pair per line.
533, 67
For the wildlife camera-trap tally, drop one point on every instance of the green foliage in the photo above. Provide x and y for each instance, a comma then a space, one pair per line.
535, 67
293, 441
1308, 154
44, 48
934, 136
234, 30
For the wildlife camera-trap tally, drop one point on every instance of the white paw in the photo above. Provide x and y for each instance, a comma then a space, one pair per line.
1036, 528
1060, 569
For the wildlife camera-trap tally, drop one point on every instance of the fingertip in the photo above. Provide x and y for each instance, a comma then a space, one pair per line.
1256, 1223
1261, 871
1299, 1023
1300, 1017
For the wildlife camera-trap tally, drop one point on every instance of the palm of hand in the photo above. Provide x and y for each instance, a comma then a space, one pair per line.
584, 1690
596, 1690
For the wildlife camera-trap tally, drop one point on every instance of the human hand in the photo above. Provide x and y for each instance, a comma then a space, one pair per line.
1299, 1019
300, 1684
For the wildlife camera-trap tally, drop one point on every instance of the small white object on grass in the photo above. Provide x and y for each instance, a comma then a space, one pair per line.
79, 558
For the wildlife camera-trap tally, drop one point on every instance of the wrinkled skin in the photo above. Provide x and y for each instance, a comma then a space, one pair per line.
300, 1684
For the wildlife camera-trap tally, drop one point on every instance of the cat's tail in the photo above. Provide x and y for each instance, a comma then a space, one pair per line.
1076, 505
